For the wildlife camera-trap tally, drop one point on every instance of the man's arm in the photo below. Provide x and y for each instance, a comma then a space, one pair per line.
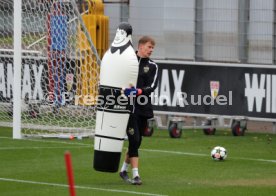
154, 80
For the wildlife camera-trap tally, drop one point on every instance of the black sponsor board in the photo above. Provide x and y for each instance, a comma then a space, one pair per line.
36, 77
184, 87
216, 89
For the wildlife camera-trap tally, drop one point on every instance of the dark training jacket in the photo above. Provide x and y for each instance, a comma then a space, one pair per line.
147, 81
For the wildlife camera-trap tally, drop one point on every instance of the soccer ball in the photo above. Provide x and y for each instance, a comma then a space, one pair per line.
219, 153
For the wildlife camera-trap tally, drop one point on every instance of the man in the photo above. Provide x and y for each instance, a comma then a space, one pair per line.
146, 83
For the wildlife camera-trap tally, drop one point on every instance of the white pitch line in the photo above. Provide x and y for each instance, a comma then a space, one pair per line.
174, 152
50, 141
152, 150
204, 155
78, 187
262, 160
37, 148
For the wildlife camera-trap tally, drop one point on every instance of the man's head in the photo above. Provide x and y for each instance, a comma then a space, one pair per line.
145, 46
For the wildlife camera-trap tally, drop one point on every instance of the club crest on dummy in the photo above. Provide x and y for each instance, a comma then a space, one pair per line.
119, 69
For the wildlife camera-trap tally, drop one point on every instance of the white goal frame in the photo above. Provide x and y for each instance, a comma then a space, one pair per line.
17, 4
17, 62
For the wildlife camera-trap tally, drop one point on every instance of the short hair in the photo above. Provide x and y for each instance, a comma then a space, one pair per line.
146, 39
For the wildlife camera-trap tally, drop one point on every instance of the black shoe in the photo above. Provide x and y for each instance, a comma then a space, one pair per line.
124, 176
136, 181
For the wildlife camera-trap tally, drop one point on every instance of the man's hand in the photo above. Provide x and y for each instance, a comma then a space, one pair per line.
132, 91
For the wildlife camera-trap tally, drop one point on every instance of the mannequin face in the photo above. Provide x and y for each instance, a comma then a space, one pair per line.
120, 37
145, 50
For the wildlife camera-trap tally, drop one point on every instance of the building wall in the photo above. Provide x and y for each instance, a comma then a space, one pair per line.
229, 31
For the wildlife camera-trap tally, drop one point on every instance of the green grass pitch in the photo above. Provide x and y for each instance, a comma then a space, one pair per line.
167, 166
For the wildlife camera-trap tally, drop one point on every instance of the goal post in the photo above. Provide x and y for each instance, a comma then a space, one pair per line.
49, 70
17, 69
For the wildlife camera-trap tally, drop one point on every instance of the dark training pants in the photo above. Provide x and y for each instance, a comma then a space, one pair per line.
135, 130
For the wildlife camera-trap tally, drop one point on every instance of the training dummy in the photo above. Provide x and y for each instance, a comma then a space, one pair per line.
119, 69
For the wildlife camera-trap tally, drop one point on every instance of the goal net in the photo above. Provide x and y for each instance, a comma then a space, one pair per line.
60, 70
